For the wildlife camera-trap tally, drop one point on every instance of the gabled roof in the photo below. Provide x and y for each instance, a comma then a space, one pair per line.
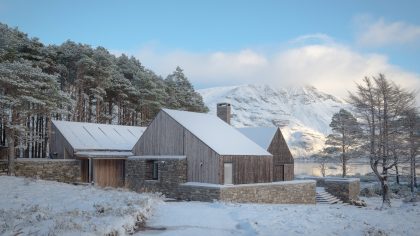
260, 135
217, 134
91, 136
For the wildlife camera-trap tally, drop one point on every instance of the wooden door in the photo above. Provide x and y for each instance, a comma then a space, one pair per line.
278, 173
108, 172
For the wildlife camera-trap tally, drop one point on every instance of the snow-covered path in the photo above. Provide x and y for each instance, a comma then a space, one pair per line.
197, 218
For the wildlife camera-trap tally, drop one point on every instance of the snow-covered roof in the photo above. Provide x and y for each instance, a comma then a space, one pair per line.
217, 134
92, 136
260, 135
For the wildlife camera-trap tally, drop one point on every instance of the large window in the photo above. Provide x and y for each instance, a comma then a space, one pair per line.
152, 170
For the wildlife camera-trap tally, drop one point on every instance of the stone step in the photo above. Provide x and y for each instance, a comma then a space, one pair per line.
324, 197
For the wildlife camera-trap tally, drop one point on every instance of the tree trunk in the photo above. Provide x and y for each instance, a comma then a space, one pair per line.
46, 136
412, 175
386, 200
397, 174
10, 135
344, 161
110, 111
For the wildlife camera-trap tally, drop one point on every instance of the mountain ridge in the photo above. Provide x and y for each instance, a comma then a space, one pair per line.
302, 112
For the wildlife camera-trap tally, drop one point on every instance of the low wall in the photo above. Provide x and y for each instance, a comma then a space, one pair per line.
320, 181
286, 192
172, 171
62, 170
345, 189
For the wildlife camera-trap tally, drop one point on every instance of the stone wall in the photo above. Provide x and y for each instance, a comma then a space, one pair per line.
345, 189
62, 170
172, 171
286, 192
199, 192
320, 181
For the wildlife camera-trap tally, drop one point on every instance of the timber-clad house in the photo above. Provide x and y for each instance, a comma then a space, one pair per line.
102, 149
177, 147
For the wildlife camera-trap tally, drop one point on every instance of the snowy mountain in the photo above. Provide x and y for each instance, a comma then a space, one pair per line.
303, 113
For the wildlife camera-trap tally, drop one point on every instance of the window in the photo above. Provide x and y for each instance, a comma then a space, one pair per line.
228, 170
152, 170
155, 170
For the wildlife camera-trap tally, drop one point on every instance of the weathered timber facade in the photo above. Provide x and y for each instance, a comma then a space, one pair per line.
272, 139
167, 136
283, 162
60, 148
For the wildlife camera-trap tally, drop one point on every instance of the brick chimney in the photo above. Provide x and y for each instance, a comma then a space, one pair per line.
224, 112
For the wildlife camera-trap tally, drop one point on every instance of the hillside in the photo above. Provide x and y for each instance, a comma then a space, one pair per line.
303, 113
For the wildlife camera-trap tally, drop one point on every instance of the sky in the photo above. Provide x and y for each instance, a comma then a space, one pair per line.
329, 44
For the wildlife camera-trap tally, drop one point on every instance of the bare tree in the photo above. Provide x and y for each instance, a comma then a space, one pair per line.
412, 125
380, 104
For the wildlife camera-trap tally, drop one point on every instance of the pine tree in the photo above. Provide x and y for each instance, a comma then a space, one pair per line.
181, 94
25, 91
345, 136
94, 86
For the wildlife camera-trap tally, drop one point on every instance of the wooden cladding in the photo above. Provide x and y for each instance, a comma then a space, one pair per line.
203, 162
164, 136
284, 172
279, 149
249, 169
108, 172
60, 148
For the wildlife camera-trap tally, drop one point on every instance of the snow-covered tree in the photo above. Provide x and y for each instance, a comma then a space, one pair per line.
95, 86
25, 92
345, 136
412, 125
181, 94
380, 104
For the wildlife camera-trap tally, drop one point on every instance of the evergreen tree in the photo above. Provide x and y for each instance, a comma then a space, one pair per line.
345, 136
93, 86
26, 91
181, 94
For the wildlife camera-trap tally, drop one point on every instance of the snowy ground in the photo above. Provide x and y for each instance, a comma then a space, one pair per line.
197, 218
37, 207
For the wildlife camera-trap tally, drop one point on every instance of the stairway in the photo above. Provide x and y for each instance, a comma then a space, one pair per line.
323, 197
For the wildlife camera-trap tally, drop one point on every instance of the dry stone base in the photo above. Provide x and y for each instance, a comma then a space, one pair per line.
287, 192
61, 170
172, 172
345, 189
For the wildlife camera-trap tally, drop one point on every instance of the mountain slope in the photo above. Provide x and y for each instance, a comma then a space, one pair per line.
303, 113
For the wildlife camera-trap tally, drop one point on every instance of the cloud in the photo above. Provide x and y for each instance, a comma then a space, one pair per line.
381, 33
331, 67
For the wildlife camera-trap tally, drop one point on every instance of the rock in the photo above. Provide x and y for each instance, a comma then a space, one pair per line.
368, 192
359, 203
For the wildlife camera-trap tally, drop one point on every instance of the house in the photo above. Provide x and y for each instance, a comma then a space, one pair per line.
272, 140
101, 148
215, 152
